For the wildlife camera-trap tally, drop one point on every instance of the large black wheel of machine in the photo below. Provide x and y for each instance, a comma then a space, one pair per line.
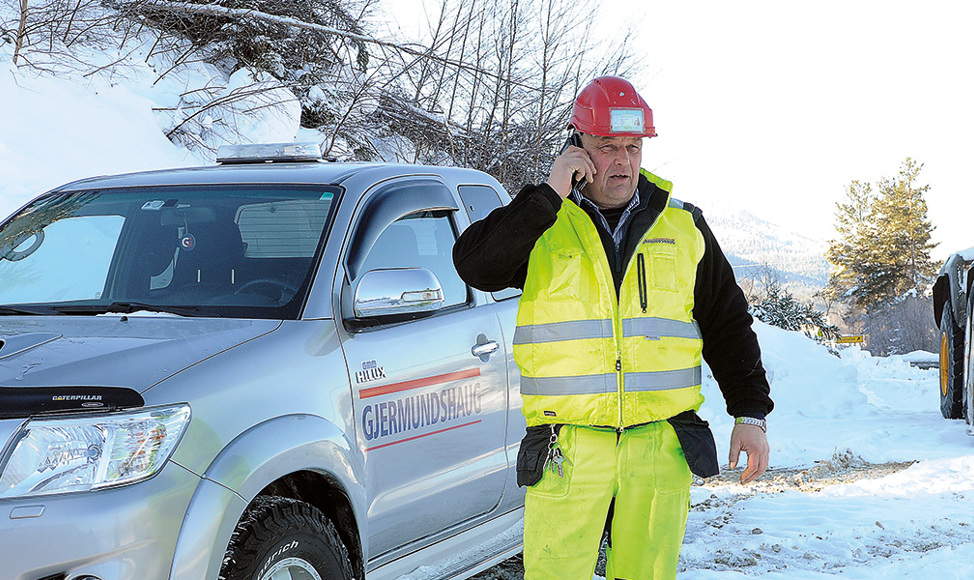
951, 366
967, 386
285, 539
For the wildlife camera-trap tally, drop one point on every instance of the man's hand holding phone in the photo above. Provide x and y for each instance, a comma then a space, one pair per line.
572, 164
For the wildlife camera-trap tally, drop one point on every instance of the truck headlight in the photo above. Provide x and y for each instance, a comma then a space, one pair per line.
72, 454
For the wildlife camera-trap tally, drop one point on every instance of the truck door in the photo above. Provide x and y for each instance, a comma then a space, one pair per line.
429, 397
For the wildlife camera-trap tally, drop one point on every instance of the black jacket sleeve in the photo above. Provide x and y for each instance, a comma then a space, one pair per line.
730, 346
492, 254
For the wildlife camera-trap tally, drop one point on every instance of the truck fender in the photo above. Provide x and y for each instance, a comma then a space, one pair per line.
941, 296
253, 460
947, 286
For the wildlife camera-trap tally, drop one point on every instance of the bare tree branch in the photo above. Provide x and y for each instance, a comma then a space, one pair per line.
214, 10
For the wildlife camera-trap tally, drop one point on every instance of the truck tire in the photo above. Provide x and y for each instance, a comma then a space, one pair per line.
951, 366
278, 534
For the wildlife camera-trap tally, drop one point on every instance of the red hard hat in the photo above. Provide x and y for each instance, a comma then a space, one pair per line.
610, 106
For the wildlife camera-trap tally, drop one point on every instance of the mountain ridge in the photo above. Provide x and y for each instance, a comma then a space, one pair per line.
765, 251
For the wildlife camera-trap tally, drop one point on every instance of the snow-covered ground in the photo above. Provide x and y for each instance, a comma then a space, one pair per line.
867, 480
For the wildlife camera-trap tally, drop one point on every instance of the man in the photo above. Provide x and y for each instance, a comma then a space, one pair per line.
624, 290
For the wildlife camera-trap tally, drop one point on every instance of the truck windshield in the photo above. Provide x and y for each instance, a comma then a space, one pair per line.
225, 251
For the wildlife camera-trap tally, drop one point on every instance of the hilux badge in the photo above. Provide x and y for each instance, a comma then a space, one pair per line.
371, 371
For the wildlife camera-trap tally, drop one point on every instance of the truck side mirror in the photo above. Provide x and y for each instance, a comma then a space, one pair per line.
397, 293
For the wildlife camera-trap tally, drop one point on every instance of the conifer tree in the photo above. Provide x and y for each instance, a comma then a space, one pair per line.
848, 255
883, 250
779, 308
903, 233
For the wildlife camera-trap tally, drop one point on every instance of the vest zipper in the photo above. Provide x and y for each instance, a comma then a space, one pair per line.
643, 293
621, 391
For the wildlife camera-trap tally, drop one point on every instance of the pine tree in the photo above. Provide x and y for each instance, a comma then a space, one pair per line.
779, 308
848, 255
903, 234
883, 250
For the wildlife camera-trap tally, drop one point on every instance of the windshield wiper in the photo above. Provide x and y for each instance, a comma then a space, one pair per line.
11, 311
128, 308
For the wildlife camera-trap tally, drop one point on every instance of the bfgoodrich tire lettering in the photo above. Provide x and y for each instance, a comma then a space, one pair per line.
278, 535
951, 365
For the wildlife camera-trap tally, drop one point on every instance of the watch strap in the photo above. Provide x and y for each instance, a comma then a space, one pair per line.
762, 423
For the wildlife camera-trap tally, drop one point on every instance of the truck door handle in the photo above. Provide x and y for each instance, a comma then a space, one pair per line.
484, 348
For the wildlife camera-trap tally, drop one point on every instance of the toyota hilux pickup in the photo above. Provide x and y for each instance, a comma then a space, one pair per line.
264, 369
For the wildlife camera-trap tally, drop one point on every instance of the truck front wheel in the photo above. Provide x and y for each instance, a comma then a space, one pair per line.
951, 365
280, 537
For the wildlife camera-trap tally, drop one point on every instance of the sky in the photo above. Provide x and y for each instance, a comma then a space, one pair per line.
776, 106
779, 106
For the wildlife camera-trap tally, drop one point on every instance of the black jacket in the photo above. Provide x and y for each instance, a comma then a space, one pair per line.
492, 254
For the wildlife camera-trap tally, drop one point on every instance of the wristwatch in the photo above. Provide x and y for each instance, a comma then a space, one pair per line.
762, 423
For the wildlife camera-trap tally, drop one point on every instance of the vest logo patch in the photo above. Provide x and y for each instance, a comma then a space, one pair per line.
550, 414
670, 241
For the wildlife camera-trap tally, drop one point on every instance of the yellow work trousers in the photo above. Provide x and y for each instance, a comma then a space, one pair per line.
564, 515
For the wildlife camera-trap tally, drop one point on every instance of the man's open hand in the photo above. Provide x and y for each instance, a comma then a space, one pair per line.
752, 440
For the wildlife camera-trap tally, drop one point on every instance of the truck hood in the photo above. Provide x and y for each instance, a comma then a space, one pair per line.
132, 351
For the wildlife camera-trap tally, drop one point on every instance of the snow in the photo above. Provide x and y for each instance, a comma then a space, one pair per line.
967, 255
832, 415
867, 480
55, 129
920, 356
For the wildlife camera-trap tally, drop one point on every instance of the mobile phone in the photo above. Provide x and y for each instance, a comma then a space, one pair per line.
574, 139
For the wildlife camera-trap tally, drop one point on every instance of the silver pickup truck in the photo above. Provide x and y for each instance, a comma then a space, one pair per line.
264, 369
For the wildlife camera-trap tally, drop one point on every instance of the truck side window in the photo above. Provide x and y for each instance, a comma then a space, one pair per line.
421, 240
478, 200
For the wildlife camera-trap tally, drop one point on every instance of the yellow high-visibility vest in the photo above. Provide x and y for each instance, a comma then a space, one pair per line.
588, 358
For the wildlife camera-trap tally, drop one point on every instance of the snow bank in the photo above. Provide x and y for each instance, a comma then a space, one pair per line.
825, 404
55, 131
836, 416
58, 129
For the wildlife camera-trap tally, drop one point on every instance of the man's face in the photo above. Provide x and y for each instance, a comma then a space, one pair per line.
617, 161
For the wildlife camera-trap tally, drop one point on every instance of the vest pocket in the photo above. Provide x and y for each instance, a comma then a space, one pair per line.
566, 275
662, 266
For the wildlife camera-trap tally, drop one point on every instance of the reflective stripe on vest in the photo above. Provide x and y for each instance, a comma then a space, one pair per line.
578, 385
663, 380
659, 327
606, 383
585, 329
558, 331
